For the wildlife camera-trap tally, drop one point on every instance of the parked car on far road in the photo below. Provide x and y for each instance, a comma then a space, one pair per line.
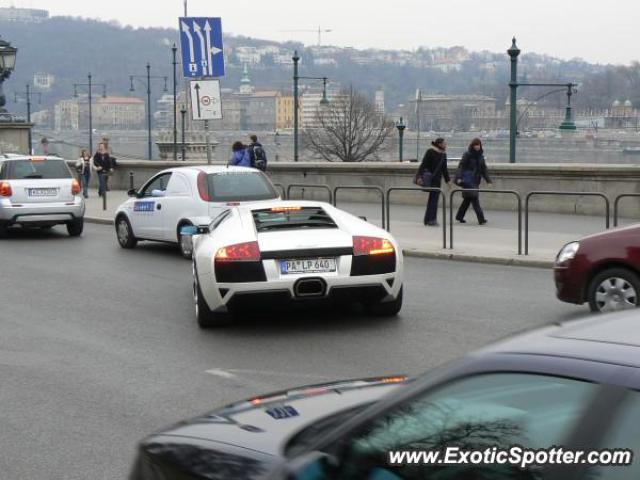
183, 196
39, 191
601, 269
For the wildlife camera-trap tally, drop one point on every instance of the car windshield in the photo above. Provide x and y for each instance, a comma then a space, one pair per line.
22, 169
290, 218
240, 187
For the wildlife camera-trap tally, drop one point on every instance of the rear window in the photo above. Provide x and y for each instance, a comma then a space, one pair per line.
291, 218
20, 169
239, 187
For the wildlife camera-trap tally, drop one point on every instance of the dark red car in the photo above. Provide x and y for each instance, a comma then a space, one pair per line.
602, 269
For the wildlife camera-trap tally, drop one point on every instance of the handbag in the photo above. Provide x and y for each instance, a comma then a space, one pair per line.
426, 179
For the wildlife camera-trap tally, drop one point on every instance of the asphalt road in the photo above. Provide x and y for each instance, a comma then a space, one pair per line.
99, 346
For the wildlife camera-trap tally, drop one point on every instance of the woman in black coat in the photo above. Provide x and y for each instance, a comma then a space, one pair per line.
471, 170
434, 161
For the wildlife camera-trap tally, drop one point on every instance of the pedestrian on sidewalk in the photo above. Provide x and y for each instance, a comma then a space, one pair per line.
257, 155
239, 155
471, 170
104, 166
83, 167
434, 163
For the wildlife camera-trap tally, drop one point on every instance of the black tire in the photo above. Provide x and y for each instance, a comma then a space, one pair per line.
75, 227
614, 289
205, 317
124, 233
3, 231
180, 241
386, 309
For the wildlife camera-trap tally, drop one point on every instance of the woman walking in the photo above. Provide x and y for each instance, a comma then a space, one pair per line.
83, 167
471, 170
434, 162
239, 155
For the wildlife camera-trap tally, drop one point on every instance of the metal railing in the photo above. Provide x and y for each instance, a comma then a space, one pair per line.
281, 187
306, 185
131, 182
421, 189
374, 188
484, 190
566, 194
617, 201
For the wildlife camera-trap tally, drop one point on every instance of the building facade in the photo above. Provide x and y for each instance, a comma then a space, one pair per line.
284, 112
110, 113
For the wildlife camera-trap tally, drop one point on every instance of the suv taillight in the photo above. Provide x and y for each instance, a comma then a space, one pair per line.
371, 246
75, 187
240, 252
203, 187
5, 189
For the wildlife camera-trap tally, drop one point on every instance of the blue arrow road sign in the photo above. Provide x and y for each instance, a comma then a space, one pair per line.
201, 46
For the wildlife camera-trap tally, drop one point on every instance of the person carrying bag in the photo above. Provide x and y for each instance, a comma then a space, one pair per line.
432, 169
471, 170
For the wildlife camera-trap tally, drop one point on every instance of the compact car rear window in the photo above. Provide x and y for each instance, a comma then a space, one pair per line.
291, 218
239, 187
24, 169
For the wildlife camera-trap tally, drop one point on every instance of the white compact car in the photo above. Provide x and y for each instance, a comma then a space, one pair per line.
279, 254
39, 192
184, 196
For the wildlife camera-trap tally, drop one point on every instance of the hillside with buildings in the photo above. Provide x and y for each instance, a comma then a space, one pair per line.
460, 89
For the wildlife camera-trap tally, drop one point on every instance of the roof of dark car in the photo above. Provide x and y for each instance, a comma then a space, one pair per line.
613, 338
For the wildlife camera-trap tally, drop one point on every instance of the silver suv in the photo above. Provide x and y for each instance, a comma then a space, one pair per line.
39, 192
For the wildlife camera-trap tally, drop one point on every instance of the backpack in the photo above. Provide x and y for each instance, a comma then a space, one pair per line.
258, 158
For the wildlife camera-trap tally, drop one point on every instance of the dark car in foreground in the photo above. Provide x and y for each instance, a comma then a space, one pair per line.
575, 385
602, 269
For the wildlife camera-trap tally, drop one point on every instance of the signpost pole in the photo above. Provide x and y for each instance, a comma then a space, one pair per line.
206, 139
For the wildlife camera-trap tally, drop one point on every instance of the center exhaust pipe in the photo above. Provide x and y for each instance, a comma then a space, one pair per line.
309, 288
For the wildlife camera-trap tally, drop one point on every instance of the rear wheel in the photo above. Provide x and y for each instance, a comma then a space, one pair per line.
185, 242
386, 309
614, 289
205, 317
124, 233
75, 227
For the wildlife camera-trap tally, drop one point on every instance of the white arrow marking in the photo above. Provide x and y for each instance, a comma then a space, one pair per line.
220, 373
185, 29
203, 52
210, 54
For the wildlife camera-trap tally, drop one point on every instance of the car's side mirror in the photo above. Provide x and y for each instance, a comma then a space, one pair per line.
158, 193
190, 230
361, 217
132, 193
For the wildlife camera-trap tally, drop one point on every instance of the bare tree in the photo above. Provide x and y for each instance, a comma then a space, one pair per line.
348, 129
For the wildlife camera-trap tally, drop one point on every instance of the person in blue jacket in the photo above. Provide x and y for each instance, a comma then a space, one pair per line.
239, 155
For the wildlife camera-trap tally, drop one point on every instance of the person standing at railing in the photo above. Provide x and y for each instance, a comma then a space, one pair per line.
471, 170
83, 167
104, 166
432, 169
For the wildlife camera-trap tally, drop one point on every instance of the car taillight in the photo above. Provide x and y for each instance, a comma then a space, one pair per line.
5, 189
240, 252
203, 187
371, 246
75, 187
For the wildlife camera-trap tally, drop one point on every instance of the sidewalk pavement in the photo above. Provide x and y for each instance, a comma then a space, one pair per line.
495, 242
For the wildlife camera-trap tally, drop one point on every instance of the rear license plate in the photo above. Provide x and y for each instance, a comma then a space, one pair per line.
42, 192
308, 265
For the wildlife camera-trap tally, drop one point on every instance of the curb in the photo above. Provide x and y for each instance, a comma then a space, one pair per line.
98, 220
462, 257
456, 257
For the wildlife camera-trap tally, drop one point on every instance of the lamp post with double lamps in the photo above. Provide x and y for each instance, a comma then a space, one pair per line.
296, 100
7, 65
400, 126
89, 86
146, 81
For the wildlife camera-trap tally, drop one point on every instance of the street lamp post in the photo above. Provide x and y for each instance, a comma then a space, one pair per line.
296, 101
174, 50
513, 52
90, 86
148, 78
400, 126
7, 64
26, 95
183, 113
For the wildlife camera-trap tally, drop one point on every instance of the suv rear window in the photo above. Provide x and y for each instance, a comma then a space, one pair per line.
20, 169
292, 218
239, 187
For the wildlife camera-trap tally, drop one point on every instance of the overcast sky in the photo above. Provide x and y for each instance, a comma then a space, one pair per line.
596, 30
